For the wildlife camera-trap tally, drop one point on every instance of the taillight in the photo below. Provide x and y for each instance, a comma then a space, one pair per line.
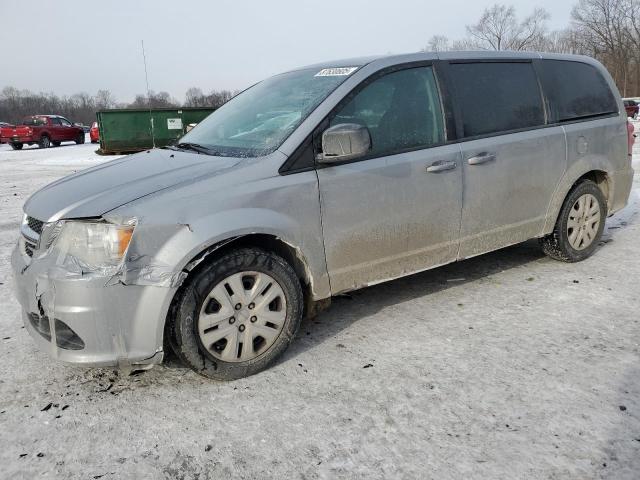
29, 131
631, 138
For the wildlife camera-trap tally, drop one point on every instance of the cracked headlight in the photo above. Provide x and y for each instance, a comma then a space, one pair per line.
94, 242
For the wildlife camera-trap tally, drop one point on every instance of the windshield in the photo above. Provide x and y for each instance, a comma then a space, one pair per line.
257, 121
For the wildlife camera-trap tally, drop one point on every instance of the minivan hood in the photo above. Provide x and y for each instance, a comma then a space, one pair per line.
97, 190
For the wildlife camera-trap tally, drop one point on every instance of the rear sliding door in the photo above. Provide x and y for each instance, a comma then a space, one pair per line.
512, 161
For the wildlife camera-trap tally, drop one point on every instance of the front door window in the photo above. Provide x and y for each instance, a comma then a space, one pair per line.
401, 110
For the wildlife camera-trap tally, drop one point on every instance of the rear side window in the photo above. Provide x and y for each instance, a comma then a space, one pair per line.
497, 97
576, 90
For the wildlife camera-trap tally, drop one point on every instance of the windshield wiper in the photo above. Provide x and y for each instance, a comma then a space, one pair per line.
190, 146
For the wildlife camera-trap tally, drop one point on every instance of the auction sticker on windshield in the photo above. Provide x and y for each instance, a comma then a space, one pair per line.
336, 72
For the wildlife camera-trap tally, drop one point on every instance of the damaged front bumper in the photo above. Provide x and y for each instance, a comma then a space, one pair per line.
88, 319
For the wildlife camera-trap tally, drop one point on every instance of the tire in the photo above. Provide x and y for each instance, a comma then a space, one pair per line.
80, 138
44, 142
55, 144
236, 317
567, 243
17, 146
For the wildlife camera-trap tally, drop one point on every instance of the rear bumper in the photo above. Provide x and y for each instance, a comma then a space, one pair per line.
81, 320
621, 182
18, 139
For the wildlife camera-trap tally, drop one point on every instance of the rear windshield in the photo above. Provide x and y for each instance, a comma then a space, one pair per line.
257, 121
34, 121
576, 90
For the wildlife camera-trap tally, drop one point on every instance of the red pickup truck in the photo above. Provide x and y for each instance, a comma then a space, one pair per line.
44, 130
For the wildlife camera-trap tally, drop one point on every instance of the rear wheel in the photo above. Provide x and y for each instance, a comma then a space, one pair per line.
17, 146
80, 138
579, 226
44, 142
236, 316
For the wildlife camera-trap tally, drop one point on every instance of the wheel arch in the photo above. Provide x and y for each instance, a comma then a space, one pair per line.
597, 175
265, 241
600, 178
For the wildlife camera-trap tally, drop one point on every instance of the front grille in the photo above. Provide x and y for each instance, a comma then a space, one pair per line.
35, 225
29, 247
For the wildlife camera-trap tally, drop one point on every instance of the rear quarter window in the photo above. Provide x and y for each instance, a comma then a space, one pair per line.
497, 97
575, 90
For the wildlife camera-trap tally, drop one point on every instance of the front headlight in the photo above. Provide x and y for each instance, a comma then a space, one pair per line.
94, 243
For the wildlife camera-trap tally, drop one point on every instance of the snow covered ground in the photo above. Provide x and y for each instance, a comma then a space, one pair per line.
509, 365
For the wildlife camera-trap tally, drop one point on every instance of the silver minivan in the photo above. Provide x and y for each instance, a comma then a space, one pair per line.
312, 183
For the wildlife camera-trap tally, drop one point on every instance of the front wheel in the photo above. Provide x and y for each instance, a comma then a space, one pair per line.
579, 226
236, 316
17, 146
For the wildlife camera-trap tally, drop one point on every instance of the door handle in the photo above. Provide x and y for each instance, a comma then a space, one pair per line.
481, 158
441, 166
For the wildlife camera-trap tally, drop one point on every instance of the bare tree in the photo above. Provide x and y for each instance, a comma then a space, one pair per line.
558, 41
194, 98
438, 43
154, 100
81, 107
608, 30
499, 29
16, 104
216, 98
605, 29
104, 100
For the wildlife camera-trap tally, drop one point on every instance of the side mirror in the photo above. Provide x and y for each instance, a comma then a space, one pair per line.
344, 141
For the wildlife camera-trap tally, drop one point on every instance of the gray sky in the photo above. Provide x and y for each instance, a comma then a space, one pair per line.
69, 46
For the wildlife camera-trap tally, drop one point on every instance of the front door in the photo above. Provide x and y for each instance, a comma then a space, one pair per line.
397, 210
56, 129
68, 130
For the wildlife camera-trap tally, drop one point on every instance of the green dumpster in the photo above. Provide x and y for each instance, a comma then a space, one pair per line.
132, 130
